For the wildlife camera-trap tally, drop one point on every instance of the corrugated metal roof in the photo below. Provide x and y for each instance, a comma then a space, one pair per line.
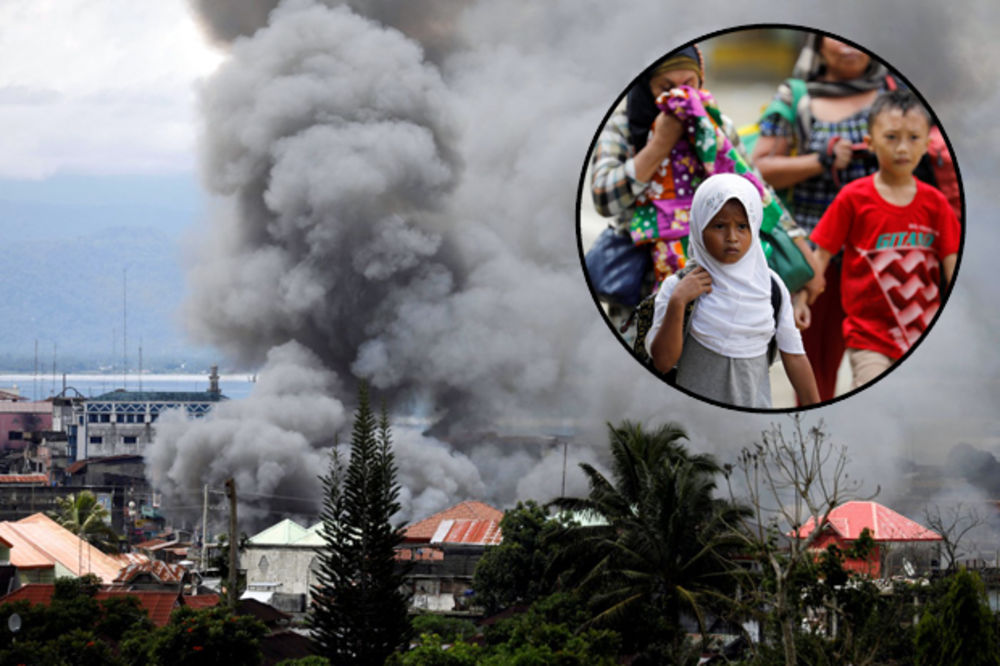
42, 479
152, 543
468, 532
469, 510
39, 542
165, 573
131, 558
280, 534
312, 537
850, 518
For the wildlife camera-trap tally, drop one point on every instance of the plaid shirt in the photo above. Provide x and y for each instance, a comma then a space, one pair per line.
810, 198
614, 186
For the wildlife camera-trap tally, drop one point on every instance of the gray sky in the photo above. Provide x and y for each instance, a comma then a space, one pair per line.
99, 87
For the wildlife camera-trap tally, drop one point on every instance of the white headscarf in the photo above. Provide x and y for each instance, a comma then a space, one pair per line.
736, 319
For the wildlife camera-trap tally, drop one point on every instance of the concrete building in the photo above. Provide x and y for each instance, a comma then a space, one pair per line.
281, 563
444, 549
22, 421
121, 422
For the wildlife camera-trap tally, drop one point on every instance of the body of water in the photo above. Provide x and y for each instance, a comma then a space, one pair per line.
40, 387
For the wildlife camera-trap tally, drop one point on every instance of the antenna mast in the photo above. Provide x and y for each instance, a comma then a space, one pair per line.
125, 327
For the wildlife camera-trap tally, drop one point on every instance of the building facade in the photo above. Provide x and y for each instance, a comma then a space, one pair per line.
121, 422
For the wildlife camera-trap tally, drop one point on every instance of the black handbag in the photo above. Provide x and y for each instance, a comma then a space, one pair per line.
617, 267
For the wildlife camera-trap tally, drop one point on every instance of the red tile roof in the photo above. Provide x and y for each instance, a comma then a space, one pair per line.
850, 518
469, 510
152, 543
158, 604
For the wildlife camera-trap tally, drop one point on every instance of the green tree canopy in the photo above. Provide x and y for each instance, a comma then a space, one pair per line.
959, 628
359, 614
84, 516
662, 544
518, 569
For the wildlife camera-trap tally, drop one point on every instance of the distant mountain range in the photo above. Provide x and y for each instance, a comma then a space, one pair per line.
66, 246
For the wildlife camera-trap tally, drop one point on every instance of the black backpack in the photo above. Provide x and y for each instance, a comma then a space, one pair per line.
642, 315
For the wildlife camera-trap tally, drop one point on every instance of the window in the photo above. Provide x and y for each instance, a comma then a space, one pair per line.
92, 418
119, 418
96, 439
15, 435
129, 439
105, 418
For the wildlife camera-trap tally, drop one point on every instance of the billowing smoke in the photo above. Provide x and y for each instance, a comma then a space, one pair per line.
395, 196
272, 443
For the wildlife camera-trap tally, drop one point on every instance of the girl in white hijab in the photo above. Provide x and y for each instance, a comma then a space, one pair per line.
722, 356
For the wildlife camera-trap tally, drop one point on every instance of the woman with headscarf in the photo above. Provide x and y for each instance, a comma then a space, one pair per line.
720, 349
636, 158
815, 156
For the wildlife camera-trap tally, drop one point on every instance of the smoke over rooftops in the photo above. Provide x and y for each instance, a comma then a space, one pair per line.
403, 211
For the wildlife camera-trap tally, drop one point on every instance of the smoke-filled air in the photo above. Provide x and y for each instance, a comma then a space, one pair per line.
393, 199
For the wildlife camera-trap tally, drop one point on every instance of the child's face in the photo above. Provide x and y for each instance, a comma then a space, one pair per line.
727, 236
898, 140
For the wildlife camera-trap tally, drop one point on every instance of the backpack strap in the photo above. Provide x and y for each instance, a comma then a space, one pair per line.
787, 108
772, 345
642, 315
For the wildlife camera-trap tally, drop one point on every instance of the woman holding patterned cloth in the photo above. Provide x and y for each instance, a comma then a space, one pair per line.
815, 156
653, 152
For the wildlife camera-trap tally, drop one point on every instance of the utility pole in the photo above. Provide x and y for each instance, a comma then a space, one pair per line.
204, 531
565, 451
233, 560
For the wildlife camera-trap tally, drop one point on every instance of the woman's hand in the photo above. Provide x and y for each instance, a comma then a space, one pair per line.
843, 150
664, 135
691, 286
666, 132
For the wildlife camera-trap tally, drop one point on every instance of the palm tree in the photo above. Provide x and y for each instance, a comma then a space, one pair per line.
662, 542
84, 516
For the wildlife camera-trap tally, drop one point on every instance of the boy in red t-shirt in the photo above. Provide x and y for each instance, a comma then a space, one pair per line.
898, 235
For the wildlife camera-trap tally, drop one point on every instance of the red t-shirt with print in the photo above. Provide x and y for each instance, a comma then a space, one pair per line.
891, 275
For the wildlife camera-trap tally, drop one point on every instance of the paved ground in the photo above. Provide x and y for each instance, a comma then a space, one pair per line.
742, 103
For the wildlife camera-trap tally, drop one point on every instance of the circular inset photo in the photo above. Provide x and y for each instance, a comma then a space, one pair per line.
770, 218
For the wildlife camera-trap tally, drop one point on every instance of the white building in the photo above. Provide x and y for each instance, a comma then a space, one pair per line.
121, 422
281, 564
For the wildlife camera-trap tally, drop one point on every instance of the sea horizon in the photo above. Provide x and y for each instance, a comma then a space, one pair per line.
92, 384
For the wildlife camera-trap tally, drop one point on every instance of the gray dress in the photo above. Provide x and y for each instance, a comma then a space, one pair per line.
742, 382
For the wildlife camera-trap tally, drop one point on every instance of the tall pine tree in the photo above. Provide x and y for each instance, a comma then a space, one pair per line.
359, 612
